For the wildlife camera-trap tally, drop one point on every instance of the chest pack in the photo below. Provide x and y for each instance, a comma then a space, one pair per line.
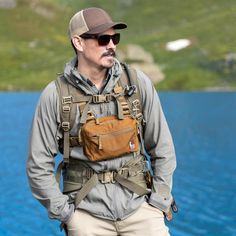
106, 137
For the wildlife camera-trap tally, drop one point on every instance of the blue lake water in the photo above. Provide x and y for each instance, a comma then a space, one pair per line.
203, 126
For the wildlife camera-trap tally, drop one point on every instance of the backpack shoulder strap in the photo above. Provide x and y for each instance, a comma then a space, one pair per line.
65, 104
129, 80
69, 97
130, 77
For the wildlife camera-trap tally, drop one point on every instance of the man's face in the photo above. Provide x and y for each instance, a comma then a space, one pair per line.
101, 56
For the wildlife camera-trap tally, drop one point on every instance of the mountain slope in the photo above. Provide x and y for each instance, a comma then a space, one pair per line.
35, 46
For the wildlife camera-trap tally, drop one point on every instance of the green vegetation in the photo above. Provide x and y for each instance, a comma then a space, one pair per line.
35, 46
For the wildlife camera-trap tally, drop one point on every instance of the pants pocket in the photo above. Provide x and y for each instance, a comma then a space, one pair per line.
73, 223
153, 209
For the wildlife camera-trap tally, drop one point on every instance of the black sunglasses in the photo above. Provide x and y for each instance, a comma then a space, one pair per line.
103, 39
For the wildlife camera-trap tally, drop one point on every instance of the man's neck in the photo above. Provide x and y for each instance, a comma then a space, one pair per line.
94, 74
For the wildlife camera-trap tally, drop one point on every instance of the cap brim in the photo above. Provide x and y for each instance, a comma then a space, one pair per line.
102, 28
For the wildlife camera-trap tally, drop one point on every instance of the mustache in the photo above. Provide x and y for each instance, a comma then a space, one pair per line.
109, 52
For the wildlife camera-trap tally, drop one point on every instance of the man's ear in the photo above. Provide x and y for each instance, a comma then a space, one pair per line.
77, 42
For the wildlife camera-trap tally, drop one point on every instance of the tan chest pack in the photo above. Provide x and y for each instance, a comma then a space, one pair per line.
105, 137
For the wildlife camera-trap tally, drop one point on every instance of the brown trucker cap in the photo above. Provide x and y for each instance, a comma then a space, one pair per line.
92, 21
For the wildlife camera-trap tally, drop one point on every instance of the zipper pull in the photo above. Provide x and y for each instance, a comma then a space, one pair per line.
100, 142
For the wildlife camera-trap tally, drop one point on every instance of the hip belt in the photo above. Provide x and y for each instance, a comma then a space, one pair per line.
80, 178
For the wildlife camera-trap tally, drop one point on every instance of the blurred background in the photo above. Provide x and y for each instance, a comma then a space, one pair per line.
187, 45
188, 50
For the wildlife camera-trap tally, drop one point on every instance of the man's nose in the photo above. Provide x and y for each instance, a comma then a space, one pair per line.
111, 44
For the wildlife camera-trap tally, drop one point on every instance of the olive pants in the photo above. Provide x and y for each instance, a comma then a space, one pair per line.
147, 220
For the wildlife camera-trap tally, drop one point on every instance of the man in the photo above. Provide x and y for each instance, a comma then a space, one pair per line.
95, 122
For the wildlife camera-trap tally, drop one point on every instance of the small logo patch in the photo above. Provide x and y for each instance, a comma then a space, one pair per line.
132, 145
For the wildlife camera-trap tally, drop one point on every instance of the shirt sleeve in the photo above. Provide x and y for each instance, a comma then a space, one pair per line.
158, 144
43, 147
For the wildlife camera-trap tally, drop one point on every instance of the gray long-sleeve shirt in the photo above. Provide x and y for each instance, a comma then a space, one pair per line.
109, 201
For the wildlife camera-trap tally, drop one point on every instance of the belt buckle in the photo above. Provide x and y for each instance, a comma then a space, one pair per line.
108, 177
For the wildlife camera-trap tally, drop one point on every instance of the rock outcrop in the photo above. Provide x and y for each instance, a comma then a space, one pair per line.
138, 58
7, 4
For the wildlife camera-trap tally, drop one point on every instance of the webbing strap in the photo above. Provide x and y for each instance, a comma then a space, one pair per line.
100, 98
129, 78
135, 99
84, 112
143, 150
131, 185
82, 193
66, 108
121, 102
93, 181
65, 105
119, 110
66, 146
81, 98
